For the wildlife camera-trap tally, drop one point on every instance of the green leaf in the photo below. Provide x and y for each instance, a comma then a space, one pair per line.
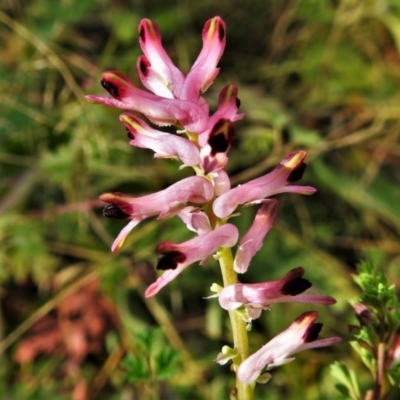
394, 374
347, 380
148, 339
167, 363
366, 356
137, 369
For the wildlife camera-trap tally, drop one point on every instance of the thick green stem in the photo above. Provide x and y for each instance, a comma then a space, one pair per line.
239, 331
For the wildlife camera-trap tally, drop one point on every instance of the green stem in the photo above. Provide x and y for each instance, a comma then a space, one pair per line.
239, 331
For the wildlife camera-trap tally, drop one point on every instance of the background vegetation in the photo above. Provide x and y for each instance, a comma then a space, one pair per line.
321, 75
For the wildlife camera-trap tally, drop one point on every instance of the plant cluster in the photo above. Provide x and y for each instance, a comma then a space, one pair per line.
376, 339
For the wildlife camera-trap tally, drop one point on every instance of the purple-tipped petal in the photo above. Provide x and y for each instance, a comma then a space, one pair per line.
204, 70
152, 80
165, 145
156, 70
162, 111
176, 257
228, 105
214, 153
167, 202
301, 335
289, 170
253, 240
290, 288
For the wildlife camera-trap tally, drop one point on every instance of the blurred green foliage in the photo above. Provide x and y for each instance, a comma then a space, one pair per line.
319, 75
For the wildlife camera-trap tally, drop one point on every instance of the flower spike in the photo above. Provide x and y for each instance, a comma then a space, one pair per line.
167, 202
206, 201
176, 257
301, 335
277, 181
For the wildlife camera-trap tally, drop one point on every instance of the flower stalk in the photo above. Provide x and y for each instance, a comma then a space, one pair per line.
238, 326
205, 202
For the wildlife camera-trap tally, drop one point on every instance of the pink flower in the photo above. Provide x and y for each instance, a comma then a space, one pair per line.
176, 257
167, 202
228, 106
156, 70
255, 297
196, 220
175, 99
162, 77
204, 70
220, 181
277, 181
301, 335
217, 138
252, 241
165, 145
214, 154
160, 110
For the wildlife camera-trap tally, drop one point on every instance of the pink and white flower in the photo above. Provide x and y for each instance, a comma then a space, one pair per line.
176, 257
195, 220
289, 170
156, 70
253, 239
161, 111
175, 99
165, 203
221, 182
255, 297
301, 335
214, 155
204, 69
217, 138
165, 145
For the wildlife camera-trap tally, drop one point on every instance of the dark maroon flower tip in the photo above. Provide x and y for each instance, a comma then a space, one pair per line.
111, 88
142, 33
221, 136
221, 32
130, 134
143, 65
295, 286
218, 143
146, 28
115, 212
220, 27
171, 260
312, 332
297, 173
